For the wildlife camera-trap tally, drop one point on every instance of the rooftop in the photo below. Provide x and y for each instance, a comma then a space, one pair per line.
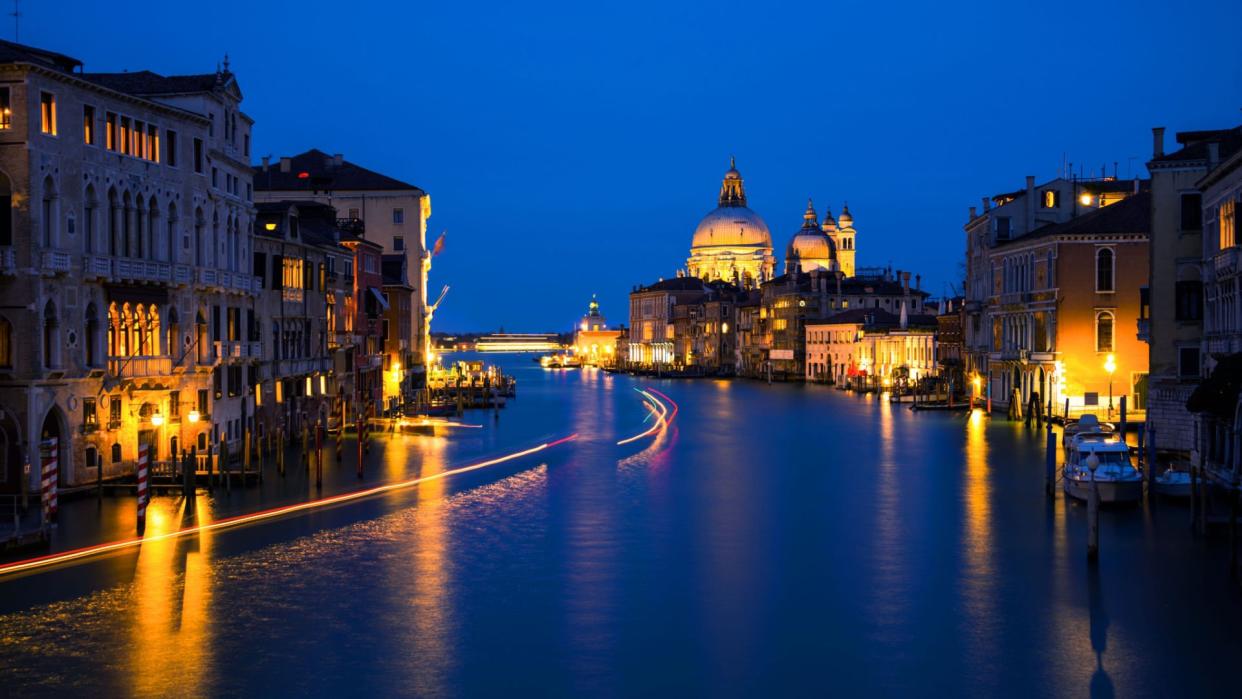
1130, 215
315, 171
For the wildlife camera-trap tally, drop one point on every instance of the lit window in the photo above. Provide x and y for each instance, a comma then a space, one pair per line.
125, 135
47, 111
88, 125
1052, 199
1228, 213
6, 109
110, 131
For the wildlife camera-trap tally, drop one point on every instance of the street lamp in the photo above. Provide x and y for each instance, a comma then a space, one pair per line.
1110, 365
194, 416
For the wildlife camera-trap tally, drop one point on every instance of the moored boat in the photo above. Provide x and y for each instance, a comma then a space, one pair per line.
1115, 477
1172, 483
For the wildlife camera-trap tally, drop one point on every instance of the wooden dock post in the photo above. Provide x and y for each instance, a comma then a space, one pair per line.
361, 453
188, 467
143, 456
1065, 415
1093, 512
280, 450
1050, 463
1122, 426
211, 468
319, 456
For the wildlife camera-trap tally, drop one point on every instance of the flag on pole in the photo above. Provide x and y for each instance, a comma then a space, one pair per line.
439, 246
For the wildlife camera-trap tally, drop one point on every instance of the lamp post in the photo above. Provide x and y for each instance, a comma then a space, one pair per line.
1110, 365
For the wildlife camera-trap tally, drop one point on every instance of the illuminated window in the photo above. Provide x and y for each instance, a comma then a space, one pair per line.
6, 109
125, 135
1105, 265
1052, 199
1228, 221
6, 343
47, 112
110, 131
1104, 331
88, 125
137, 144
153, 143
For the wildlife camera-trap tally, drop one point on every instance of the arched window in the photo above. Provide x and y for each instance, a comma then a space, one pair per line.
153, 229
140, 213
171, 242
136, 318
200, 338
172, 343
199, 224
51, 336
90, 205
6, 210
6, 343
125, 225
92, 335
116, 335
115, 245
1104, 270
153, 330
216, 243
1104, 331
49, 212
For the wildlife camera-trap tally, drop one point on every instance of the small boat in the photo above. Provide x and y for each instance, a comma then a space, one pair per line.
1172, 483
1115, 477
1087, 423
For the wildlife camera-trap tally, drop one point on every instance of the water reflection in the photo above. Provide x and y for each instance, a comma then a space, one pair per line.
1101, 683
170, 627
978, 577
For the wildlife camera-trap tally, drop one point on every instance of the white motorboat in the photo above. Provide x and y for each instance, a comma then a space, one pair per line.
1115, 477
1087, 423
1173, 483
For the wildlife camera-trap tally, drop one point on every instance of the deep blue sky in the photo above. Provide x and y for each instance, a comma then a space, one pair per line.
570, 148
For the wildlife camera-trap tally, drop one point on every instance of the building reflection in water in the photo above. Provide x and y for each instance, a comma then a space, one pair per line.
171, 625
978, 586
425, 576
890, 564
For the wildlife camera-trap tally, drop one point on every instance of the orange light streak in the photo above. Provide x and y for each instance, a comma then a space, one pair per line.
239, 520
659, 409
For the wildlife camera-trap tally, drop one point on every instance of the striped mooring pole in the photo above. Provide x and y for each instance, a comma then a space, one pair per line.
143, 496
51, 458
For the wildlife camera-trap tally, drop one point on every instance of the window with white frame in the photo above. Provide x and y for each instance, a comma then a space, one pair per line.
1104, 322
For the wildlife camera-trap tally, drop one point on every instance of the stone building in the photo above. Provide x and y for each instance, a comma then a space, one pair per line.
871, 348
360, 375
1011, 216
594, 342
125, 276
302, 290
950, 342
652, 333
1215, 402
398, 331
1062, 297
395, 215
1173, 327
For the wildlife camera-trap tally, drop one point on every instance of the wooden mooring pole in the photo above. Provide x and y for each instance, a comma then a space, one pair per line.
1050, 462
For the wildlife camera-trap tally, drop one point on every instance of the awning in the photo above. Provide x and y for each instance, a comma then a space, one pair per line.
1218, 394
379, 297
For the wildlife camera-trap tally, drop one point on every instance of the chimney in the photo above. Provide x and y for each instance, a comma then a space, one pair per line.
1157, 141
338, 159
1213, 154
267, 160
987, 205
1030, 183
286, 164
972, 213
905, 282
918, 282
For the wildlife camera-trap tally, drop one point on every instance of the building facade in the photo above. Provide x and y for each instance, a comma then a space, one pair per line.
124, 265
394, 214
1174, 328
732, 243
871, 348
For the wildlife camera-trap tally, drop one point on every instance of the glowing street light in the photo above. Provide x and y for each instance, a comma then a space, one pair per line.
194, 416
157, 419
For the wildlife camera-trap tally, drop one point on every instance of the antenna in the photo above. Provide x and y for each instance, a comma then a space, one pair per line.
17, 21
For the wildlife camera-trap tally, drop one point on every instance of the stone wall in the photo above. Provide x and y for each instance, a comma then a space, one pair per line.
1166, 409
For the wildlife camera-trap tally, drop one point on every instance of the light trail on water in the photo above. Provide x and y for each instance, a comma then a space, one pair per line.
664, 416
76, 555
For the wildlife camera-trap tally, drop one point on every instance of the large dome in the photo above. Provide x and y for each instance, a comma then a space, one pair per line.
731, 226
810, 248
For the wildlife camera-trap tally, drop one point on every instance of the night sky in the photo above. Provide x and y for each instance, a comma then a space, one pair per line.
571, 148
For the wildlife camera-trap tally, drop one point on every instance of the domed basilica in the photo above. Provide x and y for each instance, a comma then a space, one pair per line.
733, 244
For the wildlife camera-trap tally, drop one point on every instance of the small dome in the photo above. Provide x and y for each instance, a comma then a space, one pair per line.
847, 221
830, 223
810, 248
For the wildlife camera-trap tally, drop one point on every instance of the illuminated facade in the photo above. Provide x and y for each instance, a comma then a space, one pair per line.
812, 249
594, 342
1005, 294
732, 243
124, 265
393, 213
870, 347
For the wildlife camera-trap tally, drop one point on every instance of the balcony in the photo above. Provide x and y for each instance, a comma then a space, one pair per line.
1015, 298
1144, 329
55, 262
126, 270
139, 367
1225, 262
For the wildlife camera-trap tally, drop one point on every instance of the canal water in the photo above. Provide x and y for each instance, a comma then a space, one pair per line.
775, 540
